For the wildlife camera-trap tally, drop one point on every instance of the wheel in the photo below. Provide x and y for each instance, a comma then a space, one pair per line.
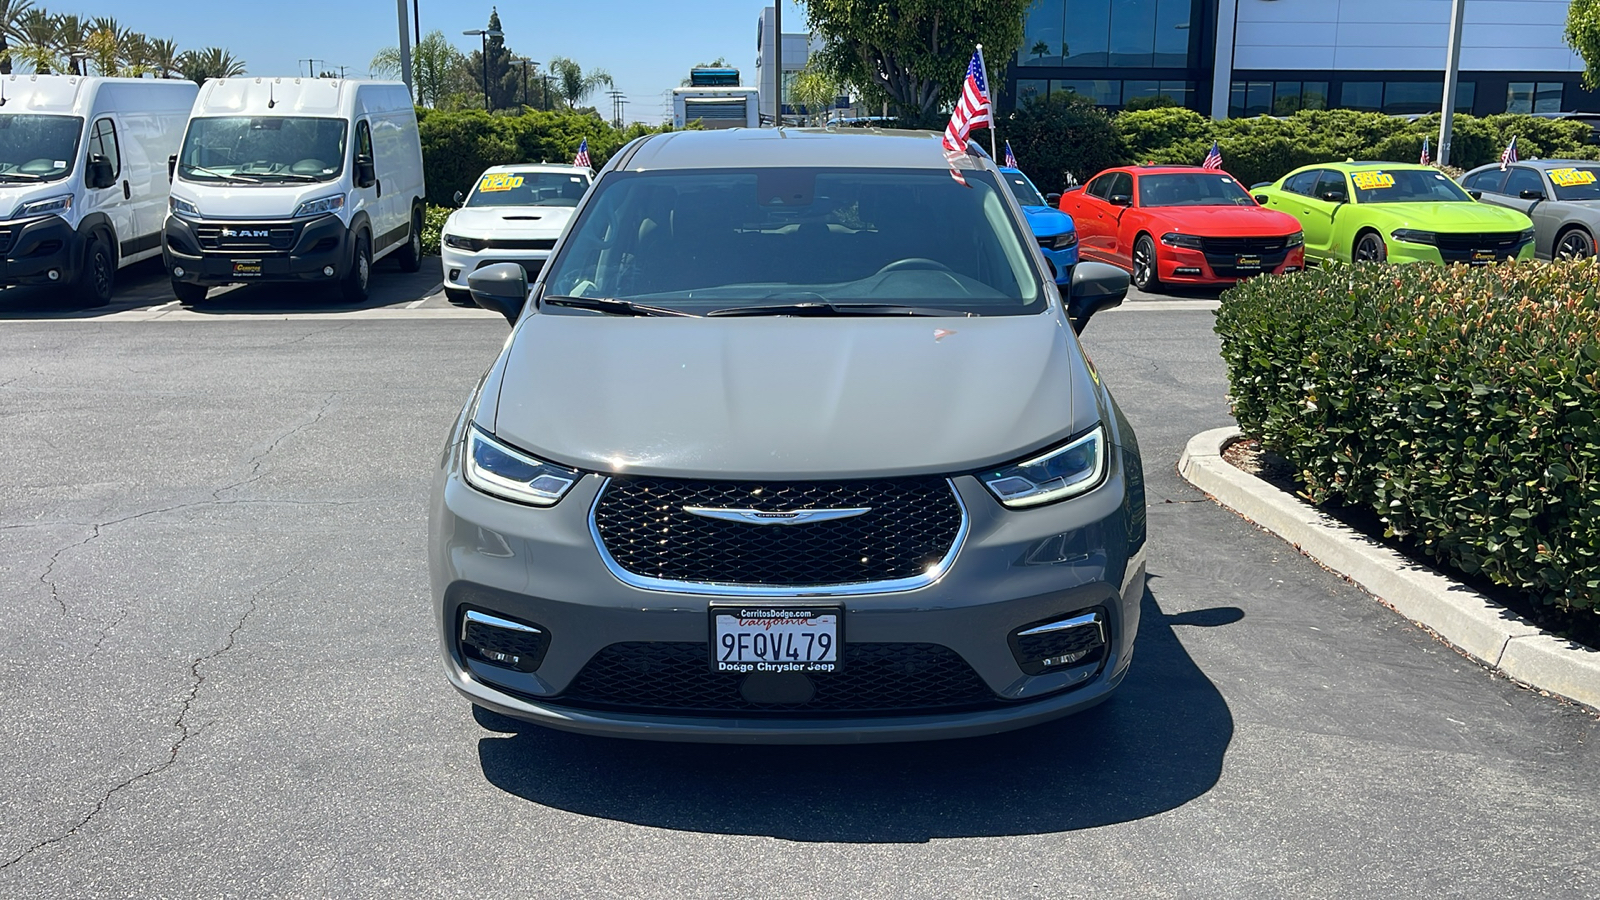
1575, 244
410, 255
1370, 248
354, 286
189, 294
458, 296
1145, 276
99, 274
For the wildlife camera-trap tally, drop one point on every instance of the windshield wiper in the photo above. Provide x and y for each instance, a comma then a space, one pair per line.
298, 176
614, 306
26, 176
189, 167
824, 308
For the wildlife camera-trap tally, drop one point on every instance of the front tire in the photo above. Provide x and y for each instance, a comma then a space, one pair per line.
189, 294
1575, 244
1145, 276
356, 281
98, 279
1370, 248
411, 254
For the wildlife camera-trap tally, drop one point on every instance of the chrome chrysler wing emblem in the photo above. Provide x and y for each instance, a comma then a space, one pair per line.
761, 517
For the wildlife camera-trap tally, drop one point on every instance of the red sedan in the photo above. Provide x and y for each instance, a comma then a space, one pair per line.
1181, 225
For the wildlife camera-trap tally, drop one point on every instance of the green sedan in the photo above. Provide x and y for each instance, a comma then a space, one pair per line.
1377, 212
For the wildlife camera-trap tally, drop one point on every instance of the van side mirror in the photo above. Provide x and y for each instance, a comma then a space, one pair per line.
501, 288
1096, 287
99, 173
365, 174
1053, 199
172, 167
1532, 195
1333, 196
458, 199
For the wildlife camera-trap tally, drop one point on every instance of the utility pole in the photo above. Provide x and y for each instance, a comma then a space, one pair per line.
416, 21
622, 111
777, 60
405, 46
1452, 74
616, 107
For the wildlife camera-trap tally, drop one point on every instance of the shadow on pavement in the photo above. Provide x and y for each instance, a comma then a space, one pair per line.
140, 284
1158, 744
388, 287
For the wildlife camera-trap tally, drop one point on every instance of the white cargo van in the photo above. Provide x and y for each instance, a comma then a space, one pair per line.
83, 180
300, 180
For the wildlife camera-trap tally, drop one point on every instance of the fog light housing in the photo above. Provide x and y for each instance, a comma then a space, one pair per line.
328, 271
54, 274
502, 642
177, 271
1078, 639
455, 274
1186, 270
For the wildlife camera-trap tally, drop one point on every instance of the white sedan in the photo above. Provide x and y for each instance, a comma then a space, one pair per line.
514, 214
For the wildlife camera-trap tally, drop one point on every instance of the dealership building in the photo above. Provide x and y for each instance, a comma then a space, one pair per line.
1272, 57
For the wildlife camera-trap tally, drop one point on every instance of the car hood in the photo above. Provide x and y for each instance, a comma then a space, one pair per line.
508, 221
1447, 216
789, 397
1226, 221
1046, 222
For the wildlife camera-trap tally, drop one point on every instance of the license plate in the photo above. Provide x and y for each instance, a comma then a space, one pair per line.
775, 639
1481, 257
1247, 261
247, 268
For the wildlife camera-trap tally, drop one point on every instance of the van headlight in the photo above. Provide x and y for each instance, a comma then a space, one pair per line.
1066, 471
320, 206
500, 471
183, 208
49, 206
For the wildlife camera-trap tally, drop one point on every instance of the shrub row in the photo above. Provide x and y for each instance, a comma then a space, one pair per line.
1063, 133
1461, 406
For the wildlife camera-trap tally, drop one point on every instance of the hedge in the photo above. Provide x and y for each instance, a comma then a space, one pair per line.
1462, 406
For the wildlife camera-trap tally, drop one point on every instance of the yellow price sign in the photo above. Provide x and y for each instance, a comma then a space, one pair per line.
1372, 181
1571, 177
499, 181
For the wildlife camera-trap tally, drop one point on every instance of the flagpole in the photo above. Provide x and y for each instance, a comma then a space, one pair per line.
993, 119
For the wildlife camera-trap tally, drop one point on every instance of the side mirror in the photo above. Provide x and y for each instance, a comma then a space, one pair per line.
1532, 195
365, 175
1476, 195
1053, 199
458, 199
1333, 196
501, 288
1095, 287
99, 173
1261, 199
172, 167
1121, 200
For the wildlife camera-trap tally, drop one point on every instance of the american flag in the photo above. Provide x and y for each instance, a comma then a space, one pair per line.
1426, 155
582, 159
1213, 158
1011, 158
972, 110
1510, 156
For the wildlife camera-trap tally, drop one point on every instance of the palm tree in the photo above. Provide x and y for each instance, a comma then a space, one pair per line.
11, 13
72, 42
212, 62
574, 84
162, 57
435, 66
135, 55
104, 43
36, 32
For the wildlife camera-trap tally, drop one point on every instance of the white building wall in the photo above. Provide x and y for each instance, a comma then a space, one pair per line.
797, 49
1382, 35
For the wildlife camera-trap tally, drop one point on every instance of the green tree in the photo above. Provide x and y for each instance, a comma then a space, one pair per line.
163, 58
11, 14
914, 52
437, 68
1061, 138
573, 84
1583, 36
212, 62
504, 85
72, 42
36, 30
817, 91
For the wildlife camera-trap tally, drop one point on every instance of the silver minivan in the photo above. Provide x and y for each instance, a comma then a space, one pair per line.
793, 441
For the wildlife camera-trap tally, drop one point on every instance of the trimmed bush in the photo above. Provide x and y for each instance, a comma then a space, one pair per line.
432, 227
1462, 406
1062, 134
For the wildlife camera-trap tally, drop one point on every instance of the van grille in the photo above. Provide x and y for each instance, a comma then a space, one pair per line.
245, 236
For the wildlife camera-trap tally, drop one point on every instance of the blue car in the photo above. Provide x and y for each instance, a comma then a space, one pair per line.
1052, 228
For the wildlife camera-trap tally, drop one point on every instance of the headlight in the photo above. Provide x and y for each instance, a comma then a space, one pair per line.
48, 206
1525, 237
1412, 236
1298, 239
1174, 239
1064, 472
183, 208
320, 206
471, 245
1064, 241
509, 474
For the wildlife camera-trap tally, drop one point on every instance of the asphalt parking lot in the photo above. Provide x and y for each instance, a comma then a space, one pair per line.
220, 678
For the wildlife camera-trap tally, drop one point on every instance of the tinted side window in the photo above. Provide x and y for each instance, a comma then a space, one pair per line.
1303, 182
1099, 187
1122, 183
103, 142
1487, 180
363, 140
1331, 180
1522, 179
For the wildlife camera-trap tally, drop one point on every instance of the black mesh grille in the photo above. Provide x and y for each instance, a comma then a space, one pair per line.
1222, 254
1465, 247
874, 679
479, 639
911, 525
1031, 649
520, 243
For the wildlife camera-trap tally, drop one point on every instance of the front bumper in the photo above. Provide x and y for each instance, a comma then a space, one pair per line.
1404, 252
1015, 567
1182, 265
32, 249
300, 250
457, 264
1063, 261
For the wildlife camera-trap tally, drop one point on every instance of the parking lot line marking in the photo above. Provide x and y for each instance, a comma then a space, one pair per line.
416, 303
171, 304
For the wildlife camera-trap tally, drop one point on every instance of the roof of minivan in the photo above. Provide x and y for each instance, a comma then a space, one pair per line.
744, 148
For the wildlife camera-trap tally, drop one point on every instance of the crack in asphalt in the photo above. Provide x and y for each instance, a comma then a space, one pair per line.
312, 334
181, 723
256, 462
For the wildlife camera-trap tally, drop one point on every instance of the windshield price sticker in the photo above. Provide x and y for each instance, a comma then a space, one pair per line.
1372, 181
745, 639
499, 181
1571, 177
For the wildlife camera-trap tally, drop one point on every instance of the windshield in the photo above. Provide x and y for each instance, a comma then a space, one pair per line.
37, 148
703, 240
1023, 189
528, 189
259, 150
1576, 183
1406, 186
1191, 189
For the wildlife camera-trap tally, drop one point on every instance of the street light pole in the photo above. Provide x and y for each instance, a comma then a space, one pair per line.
777, 60
485, 34
405, 46
1451, 76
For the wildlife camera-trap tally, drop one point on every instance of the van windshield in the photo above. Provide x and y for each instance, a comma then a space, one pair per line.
702, 241
255, 150
37, 148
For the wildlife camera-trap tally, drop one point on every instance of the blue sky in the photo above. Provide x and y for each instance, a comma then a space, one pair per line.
646, 45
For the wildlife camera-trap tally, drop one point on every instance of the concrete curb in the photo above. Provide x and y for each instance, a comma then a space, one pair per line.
1495, 636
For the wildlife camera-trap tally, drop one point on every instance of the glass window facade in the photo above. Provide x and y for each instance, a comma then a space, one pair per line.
1106, 92
1534, 97
1107, 34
